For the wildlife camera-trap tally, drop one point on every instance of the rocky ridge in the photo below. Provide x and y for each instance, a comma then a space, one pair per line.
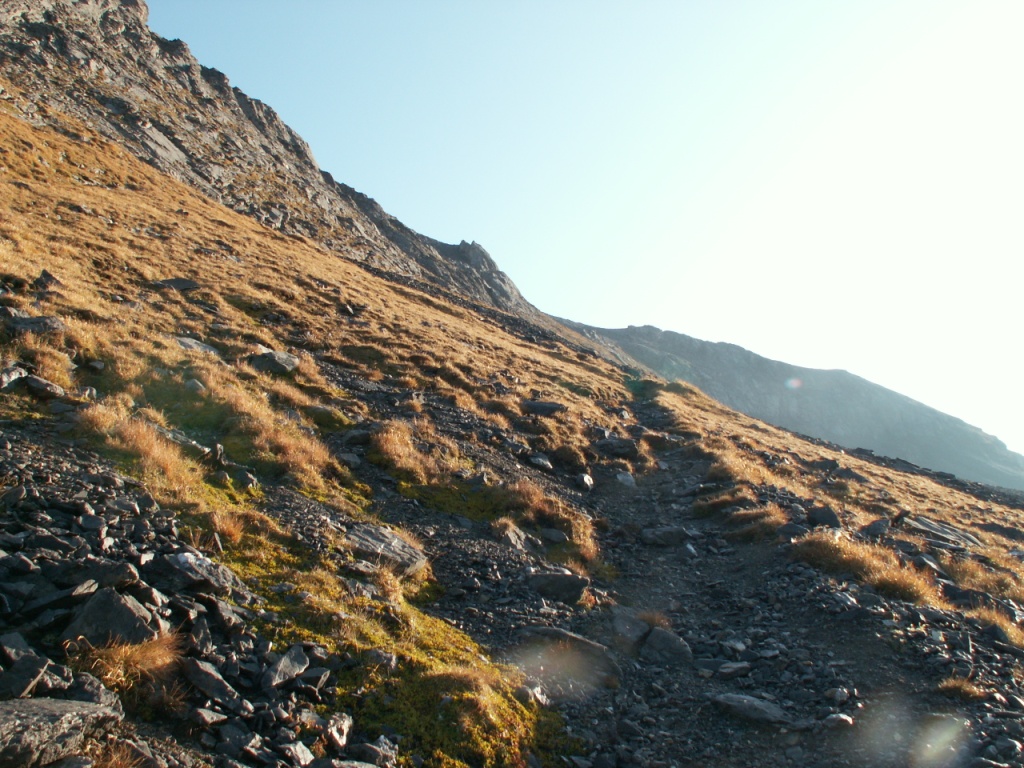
830, 405
99, 61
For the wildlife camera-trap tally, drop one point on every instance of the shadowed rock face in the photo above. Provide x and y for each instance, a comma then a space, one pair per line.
830, 405
97, 60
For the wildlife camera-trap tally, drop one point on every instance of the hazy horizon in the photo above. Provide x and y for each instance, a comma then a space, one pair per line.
831, 186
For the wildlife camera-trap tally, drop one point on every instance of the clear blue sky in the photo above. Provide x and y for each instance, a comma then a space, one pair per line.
832, 184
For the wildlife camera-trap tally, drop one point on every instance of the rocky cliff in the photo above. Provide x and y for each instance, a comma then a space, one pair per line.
97, 60
831, 405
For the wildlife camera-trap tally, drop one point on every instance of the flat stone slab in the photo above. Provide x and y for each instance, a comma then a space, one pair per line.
750, 708
192, 345
37, 732
279, 363
543, 407
379, 545
35, 325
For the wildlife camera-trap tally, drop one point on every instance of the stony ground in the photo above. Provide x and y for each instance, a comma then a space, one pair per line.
690, 648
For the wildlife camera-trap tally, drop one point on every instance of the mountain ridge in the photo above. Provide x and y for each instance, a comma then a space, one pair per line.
187, 120
833, 405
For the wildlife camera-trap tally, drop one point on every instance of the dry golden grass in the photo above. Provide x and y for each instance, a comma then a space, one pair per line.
142, 674
970, 574
873, 564
990, 617
961, 688
757, 523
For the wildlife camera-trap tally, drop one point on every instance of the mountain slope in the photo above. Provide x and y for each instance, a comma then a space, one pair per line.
831, 405
287, 511
98, 60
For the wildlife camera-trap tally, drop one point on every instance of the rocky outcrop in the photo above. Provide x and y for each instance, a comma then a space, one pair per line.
831, 405
97, 60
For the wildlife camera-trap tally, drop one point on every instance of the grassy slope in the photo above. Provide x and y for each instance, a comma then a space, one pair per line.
108, 227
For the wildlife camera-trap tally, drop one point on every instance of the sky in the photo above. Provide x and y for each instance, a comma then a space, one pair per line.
833, 185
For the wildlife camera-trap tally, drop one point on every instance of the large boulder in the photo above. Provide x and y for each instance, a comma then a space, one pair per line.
37, 732
278, 363
379, 545
111, 617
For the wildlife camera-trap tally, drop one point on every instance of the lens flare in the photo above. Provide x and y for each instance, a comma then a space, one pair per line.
794, 383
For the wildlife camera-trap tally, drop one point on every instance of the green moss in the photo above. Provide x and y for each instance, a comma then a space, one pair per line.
482, 503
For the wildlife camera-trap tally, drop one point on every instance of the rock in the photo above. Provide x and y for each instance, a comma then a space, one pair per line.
18, 325
585, 482
618, 448
192, 345
180, 284
41, 388
824, 516
195, 386
46, 281
542, 407
89, 689
877, 528
37, 732
108, 616
205, 677
751, 708
567, 588
190, 571
297, 753
287, 668
792, 531
381, 753
542, 461
338, 729
666, 536
380, 545
278, 363
626, 479
628, 629
665, 647
21, 678
10, 374
514, 536
553, 536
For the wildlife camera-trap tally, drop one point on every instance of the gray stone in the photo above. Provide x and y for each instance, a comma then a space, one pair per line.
567, 588
338, 729
287, 668
542, 407
665, 647
626, 479
21, 678
379, 545
205, 677
618, 447
108, 616
10, 374
628, 629
279, 363
666, 536
585, 482
541, 461
192, 345
41, 388
36, 325
37, 732
190, 571
297, 753
824, 516
751, 708
180, 284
